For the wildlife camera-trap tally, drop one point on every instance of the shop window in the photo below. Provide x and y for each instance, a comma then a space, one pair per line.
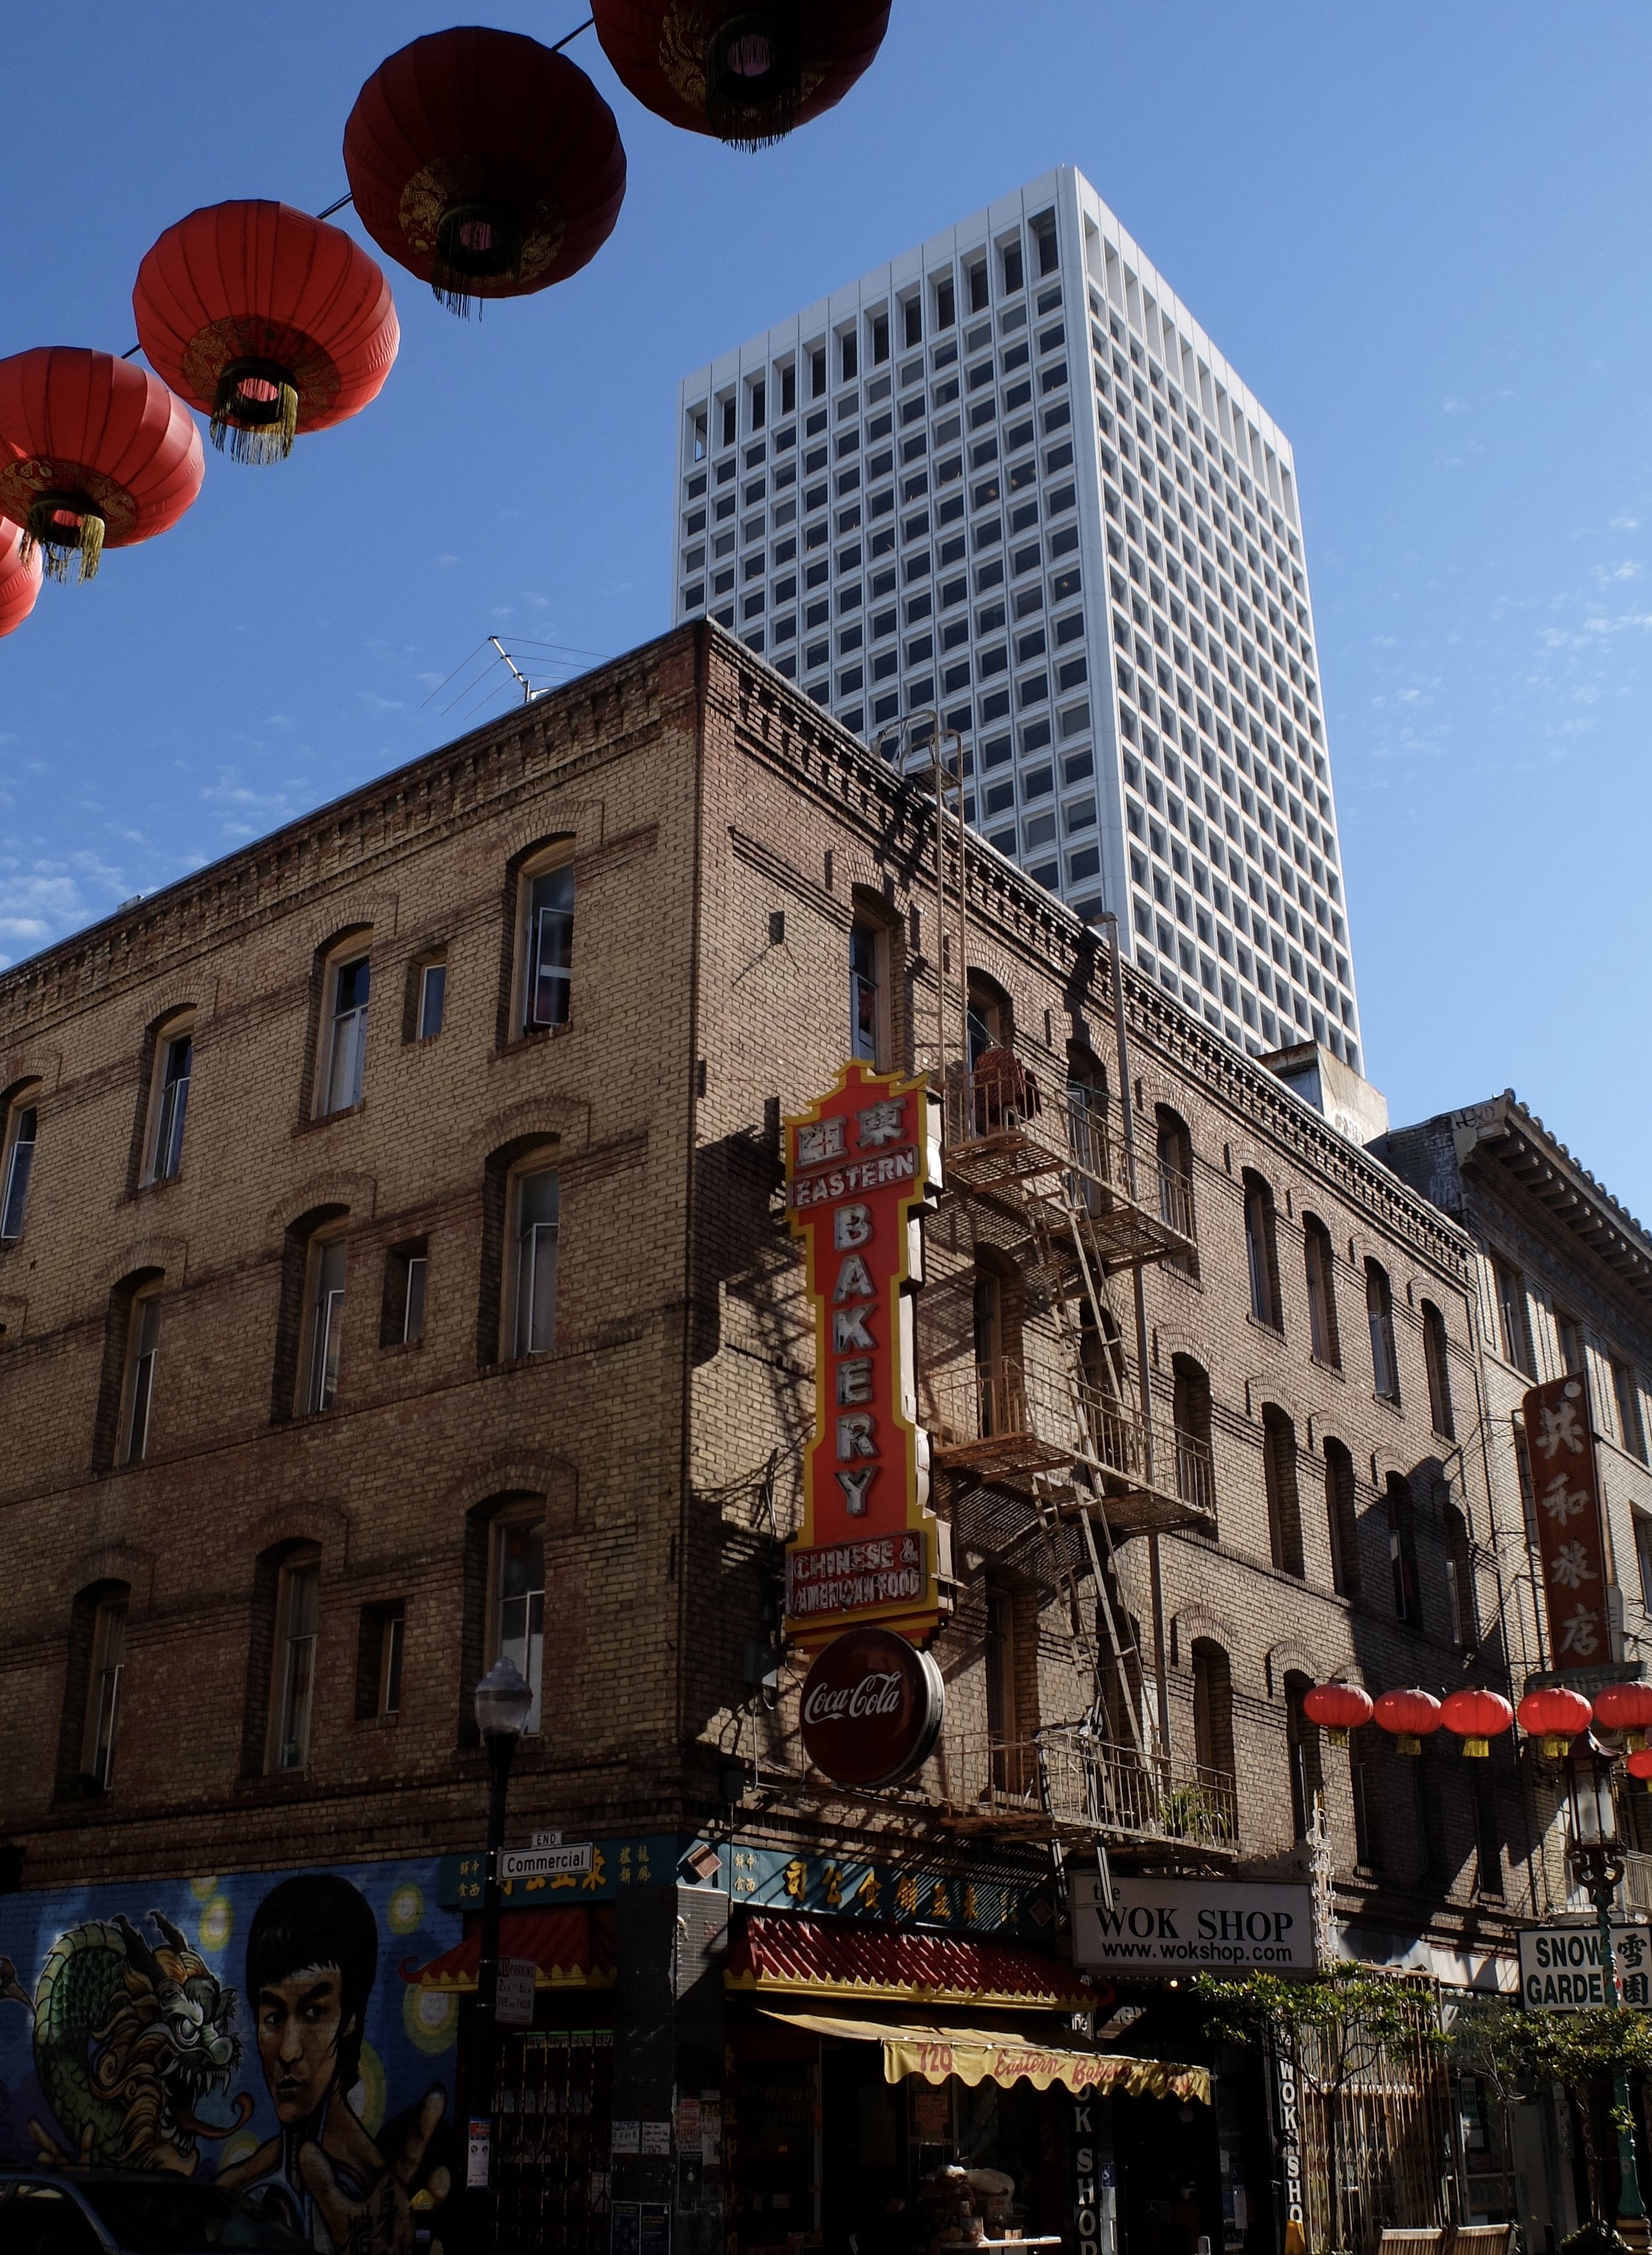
1342, 1518
1407, 1585
1379, 1308
292, 1677
1436, 1352
168, 1100
21, 1120
1284, 1509
1302, 1742
1261, 1252
1319, 1260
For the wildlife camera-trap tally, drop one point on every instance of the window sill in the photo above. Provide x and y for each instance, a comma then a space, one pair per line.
390, 1346
1390, 1403
1261, 1324
378, 1722
1190, 1277
327, 1119
277, 1785
156, 1185
534, 1038
1330, 1369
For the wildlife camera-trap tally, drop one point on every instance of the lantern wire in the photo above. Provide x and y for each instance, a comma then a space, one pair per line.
559, 44
338, 206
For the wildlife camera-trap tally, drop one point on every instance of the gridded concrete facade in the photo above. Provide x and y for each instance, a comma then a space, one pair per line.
1008, 476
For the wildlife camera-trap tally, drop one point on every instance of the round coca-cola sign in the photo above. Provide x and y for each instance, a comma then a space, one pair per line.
872, 1708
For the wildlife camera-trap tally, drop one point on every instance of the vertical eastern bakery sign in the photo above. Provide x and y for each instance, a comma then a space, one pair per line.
861, 1167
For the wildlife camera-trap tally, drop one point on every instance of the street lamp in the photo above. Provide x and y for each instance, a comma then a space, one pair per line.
504, 1701
1597, 1852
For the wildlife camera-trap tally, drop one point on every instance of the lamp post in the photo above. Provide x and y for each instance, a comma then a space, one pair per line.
1597, 1853
504, 1701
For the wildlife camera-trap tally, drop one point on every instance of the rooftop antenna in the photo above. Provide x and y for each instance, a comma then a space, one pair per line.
527, 687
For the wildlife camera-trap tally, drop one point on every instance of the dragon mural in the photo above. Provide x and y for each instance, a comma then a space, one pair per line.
130, 2038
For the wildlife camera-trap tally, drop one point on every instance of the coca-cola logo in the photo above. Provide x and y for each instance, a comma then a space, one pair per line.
872, 1708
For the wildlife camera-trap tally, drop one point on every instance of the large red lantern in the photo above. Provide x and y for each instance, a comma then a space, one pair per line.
484, 164
19, 578
1337, 1708
1410, 1717
1625, 1707
1557, 1716
1476, 1717
747, 72
268, 320
95, 453
1639, 1764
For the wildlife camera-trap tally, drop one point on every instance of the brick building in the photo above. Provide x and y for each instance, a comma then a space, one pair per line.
393, 1274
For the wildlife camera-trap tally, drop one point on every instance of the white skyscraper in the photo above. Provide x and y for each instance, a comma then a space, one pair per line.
1009, 477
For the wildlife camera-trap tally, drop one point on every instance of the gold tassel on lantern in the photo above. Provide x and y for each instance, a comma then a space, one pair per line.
255, 415
60, 529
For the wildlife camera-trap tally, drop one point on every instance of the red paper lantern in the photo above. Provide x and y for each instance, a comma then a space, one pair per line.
1557, 1716
95, 453
19, 578
1410, 1716
484, 164
268, 320
746, 72
1639, 1764
1476, 1715
1625, 1707
1337, 1708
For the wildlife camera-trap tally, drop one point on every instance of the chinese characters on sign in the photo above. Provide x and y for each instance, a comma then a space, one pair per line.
861, 1166
1567, 1498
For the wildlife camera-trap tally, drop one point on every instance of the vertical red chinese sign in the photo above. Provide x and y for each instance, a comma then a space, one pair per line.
862, 1165
1571, 1540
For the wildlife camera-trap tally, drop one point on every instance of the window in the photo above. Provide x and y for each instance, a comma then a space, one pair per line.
432, 999
1407, 1606
174, 1063
946, 303
1379, 1307
401, 1316
1569, 1336
378, 1662
536, 1202
975, 277
1190, 1415
1626, 1391
1302, 1741
1320, 1263
325, 1322
1175, 1146
1213, 1727
1002, 1719
1366, 1844
866, 948
346, 1053
1014, 275
1435, 1357
1488, 1846
1342, 1519
142, 1345
104, 1691
1461, 1594
1643, 1557
848, 357
1279, 1471
1513, 1323
1261, 1252
294, 1676
22, 1118
988, 1019
518, 1606
547, 947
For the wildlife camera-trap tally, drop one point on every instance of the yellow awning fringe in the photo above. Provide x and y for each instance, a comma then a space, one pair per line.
979, 2055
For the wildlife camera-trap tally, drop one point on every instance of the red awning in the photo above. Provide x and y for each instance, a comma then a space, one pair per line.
809, 1957
563, 1944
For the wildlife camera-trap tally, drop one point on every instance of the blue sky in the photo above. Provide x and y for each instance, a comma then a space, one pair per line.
1423, 234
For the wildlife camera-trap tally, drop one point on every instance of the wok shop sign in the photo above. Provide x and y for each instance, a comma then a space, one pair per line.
1181, 1926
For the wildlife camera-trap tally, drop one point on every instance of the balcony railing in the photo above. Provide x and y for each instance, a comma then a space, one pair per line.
1006, 1422
1064, 1780
1014, 1128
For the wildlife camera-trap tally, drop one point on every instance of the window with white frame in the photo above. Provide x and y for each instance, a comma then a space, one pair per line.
137, 1392
169, 1102
547, 947
103, 1692
517, 1621
345, 1053
297, 1607
432, 999
867, 944
534, 1218
325, 1320
17, 1161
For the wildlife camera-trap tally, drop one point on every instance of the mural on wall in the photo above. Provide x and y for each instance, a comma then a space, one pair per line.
258, 2029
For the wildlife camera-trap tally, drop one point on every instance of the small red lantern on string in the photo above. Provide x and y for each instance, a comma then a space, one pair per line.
747, 73
267, 321
1555, 1715
1639, 1764
484, 164
1476, 1717
1410, 1716
1625, 1707
95, 453
20, 577
1338, 1708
